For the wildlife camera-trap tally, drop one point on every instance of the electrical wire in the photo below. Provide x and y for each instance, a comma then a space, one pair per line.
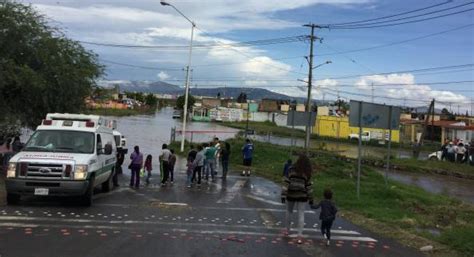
407, 22
183, 47
397, 42
401, 19
390, 16
407, 71
140, 67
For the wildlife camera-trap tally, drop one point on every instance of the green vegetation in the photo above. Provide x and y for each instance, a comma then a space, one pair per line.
403, 212
121, 112
41, 70
181, 99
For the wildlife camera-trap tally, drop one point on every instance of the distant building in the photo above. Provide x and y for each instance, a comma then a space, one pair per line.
211, 102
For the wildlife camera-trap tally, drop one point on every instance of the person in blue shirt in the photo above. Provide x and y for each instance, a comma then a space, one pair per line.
247, 152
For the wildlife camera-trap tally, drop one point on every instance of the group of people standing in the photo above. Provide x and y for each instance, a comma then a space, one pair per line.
457, 151
204, 161
140, 168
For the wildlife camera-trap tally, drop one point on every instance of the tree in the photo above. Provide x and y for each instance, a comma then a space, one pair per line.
180, 102
41, 70
151, 100
242, 98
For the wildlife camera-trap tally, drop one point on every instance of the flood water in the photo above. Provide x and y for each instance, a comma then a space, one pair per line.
151, 131
462, 189
348, 150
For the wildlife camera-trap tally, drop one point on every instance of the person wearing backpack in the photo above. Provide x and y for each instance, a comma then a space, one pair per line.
327, 214
297, 192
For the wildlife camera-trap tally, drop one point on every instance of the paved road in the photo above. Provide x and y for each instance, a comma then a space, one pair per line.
240, 217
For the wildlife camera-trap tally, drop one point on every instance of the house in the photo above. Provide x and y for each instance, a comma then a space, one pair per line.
338, 127
211, 102
272, 105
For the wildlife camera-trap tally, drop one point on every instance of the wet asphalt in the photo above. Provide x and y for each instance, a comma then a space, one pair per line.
241, 216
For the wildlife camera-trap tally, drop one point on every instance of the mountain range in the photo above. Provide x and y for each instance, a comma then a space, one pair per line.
159, 87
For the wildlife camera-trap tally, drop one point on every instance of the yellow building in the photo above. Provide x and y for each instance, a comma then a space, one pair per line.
338, 127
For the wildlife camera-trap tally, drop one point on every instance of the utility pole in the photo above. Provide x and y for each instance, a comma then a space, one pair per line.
310, 85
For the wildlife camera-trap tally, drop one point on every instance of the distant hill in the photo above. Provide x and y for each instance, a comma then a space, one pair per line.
234, 92
157, 87
160, 87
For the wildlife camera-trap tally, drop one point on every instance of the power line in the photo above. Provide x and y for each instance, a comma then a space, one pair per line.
140, 67
251, 57
397, 42
407, 22
183, 47
384, 23
407, 71
390, 16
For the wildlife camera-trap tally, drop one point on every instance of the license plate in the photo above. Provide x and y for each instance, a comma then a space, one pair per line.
41, 191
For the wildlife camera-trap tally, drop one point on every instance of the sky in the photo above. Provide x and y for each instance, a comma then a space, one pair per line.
391, 64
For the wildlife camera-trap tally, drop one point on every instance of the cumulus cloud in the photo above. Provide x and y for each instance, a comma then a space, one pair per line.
163, 75
404, 86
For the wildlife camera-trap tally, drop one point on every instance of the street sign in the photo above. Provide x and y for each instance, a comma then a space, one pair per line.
373, 115
300, 118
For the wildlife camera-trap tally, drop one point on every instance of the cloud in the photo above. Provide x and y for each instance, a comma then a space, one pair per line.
404, 86
163, 75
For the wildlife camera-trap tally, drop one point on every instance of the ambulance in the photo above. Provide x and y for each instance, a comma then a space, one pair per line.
68, 155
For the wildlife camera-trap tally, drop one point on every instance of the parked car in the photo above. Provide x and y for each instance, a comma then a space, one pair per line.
176, 114
365, 136
436, 156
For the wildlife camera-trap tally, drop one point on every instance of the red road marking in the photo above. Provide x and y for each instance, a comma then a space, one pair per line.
338, 245
66, 234
103, 235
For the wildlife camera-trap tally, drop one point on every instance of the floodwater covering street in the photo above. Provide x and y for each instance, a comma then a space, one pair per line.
242, 216
439, 184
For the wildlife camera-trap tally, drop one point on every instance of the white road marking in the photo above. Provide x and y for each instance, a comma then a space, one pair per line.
9, 219
206, 232
204, 207
230, 195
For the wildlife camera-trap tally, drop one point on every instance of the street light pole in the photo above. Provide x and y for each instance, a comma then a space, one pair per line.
186, 86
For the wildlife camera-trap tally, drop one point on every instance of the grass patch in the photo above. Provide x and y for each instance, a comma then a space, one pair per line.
121, 112
403, 212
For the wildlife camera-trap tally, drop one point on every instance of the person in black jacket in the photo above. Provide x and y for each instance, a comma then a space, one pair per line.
327, 214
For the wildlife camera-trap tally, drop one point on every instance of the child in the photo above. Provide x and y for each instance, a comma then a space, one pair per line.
148, 168
327, 215
172, 162
189, 171
286, 169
